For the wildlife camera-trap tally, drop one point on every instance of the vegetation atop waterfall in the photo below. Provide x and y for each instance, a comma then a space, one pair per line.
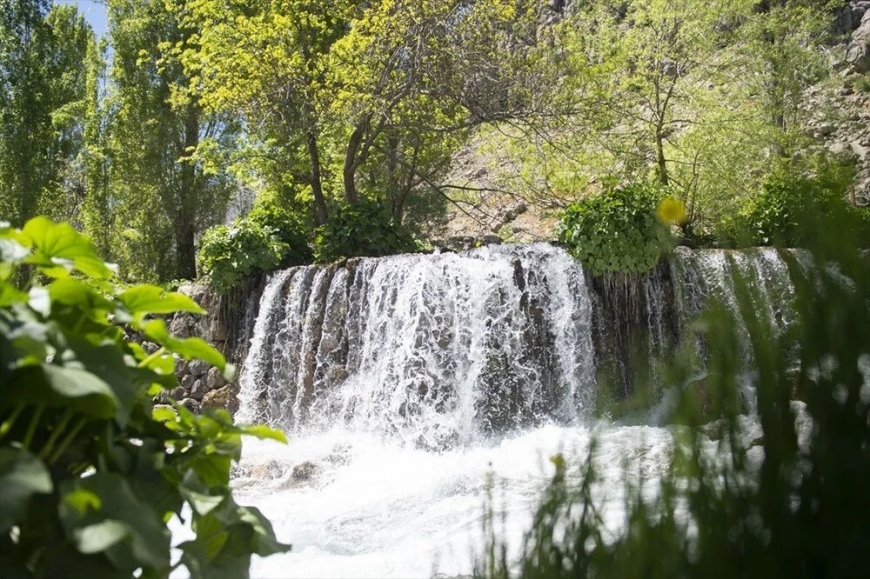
617, 230
91, 470
353, 120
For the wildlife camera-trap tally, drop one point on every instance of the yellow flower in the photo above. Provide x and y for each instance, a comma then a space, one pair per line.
671, 210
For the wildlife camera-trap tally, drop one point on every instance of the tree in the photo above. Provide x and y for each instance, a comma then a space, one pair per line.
360, 99
42, 90
166, 183
694, 95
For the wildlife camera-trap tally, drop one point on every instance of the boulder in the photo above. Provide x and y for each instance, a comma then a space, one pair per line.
198, 390
267, 470
219, 398
191, 404
181, 369
305, 471
198, 368
178, 393
187, 382
214, 379
858, 51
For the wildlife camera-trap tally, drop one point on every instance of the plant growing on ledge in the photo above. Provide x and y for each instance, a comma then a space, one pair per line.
362, 230
91, 470
617, 230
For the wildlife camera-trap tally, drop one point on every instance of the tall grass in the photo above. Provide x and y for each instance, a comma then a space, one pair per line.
799, 507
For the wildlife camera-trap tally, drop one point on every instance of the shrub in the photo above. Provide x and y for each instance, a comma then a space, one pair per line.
230, 254
793, 208
90, 469
616, 230
289, 227
362, 230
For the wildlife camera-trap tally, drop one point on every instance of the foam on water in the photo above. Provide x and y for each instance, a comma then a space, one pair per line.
382, 509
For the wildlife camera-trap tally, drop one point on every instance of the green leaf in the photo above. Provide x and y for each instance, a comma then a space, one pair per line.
81, 500
59, 247
187, 348
149, 299
59, 386
106, 362
9, 295
123, 519
22, 475
73, 292
100, 536
263, 432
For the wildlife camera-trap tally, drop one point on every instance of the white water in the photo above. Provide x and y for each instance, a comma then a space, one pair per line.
395, 511
409, 384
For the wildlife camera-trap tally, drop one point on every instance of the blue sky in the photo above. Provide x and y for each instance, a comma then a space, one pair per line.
95, 13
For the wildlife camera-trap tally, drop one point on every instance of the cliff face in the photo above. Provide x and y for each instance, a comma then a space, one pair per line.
840, 110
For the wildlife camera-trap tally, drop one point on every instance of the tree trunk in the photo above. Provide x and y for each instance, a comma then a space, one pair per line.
350, 165
321, 213
661, 161
185, 247
188, 201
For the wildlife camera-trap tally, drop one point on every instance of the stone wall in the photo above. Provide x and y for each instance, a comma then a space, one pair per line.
227, 325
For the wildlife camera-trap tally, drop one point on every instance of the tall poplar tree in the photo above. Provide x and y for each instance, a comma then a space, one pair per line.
166, 187
42, 86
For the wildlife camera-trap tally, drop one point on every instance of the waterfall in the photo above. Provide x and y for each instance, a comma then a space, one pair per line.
431, 348
705, 275
404, 383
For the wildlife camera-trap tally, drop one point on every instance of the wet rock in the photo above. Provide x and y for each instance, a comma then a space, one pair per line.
305, 471
214, 379
465, 242
198, 390
191, 404
198, 367
219, 398
267, 470
218, 331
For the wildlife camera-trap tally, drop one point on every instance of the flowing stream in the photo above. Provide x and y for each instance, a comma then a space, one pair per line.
413, 387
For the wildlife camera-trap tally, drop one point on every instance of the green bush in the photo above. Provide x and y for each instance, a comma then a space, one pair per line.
91, 470
289, 227
616, 230
794, 207
362, 230
231, 254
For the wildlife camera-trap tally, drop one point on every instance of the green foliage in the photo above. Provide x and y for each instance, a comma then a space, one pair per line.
230, 254
91, 470
361, 230
616, 230
862, 83
168, 178
793, 207
42, 90
785, 502
290, 228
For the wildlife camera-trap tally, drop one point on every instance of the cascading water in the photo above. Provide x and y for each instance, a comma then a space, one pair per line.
405, 383
434, 349
705, 275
